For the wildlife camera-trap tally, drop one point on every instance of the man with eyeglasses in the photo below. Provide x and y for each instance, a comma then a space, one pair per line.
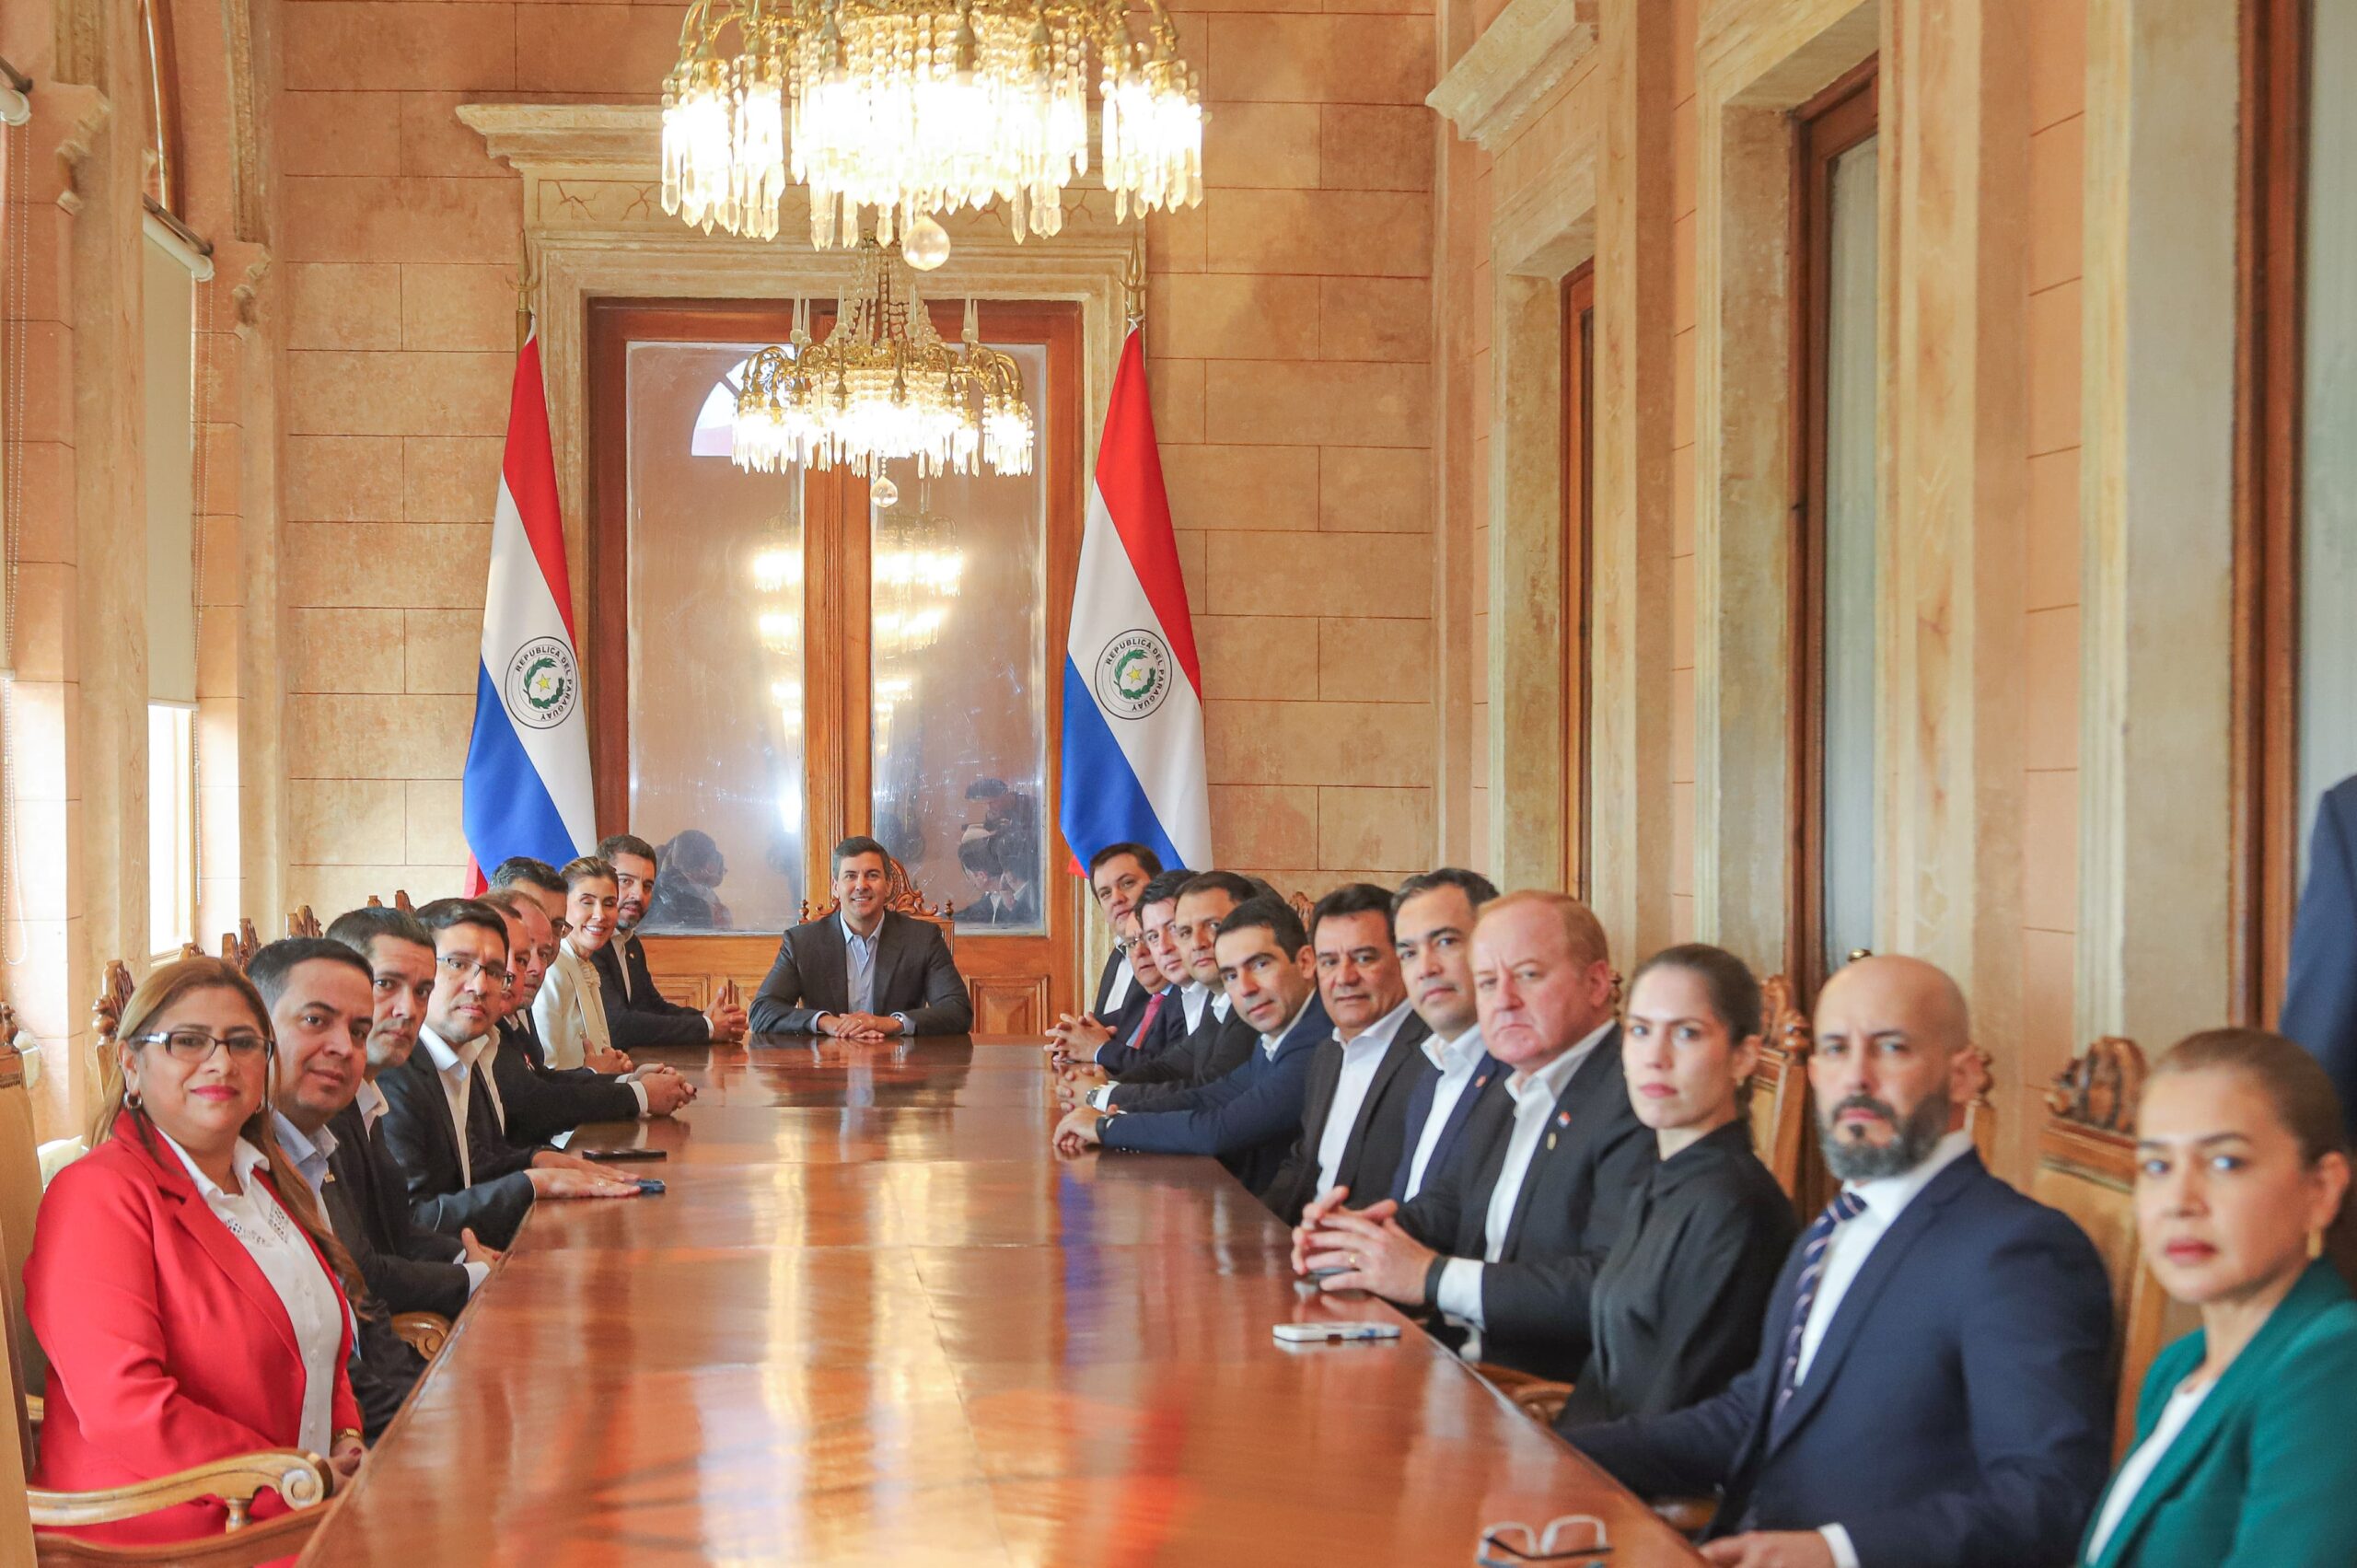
440, 1122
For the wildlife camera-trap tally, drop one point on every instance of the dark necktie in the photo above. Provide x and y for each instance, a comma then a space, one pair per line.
1847, 1206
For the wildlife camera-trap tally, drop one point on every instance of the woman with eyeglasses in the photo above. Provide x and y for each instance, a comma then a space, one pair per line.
191, 1300
2242, 1455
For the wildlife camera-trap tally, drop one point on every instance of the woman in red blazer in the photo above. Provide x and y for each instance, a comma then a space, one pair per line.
188, 1319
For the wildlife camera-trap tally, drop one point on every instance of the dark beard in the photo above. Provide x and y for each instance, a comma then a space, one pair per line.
1851, 1160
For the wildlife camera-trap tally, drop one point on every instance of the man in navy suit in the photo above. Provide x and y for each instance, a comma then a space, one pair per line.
1248, 1118
1432, 915
2320, 994
1932, 1388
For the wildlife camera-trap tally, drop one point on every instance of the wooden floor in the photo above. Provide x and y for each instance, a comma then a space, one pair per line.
876, 1320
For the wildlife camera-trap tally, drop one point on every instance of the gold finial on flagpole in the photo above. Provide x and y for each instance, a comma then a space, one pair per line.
1133, 280
526, 281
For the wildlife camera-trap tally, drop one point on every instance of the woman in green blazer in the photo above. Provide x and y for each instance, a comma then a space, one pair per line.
2242, 1455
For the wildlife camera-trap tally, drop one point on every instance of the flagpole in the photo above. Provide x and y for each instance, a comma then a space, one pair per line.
524, 282
1133, 280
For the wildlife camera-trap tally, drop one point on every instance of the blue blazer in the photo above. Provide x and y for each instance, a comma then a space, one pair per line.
1957, 1414
2320, 993
2263, 1474
1248, 1118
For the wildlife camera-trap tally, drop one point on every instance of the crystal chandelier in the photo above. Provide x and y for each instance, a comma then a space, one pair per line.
913, 107
916, 571
883, 385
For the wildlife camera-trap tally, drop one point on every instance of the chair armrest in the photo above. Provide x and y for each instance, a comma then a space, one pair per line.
425, 1332
35, 1408
1541, 1398
271, 1540
1689, 1516
301, 1480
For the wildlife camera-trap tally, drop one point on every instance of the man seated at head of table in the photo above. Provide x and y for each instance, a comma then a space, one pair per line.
535, 1105
1216, 1039
863, 972
1248, 1118
1931, 1387
1432, 916
638, 1015
1504, 1244
1363, 1079
407, 1266
1674, 1317
191, 1303
321, 1011
439, 1121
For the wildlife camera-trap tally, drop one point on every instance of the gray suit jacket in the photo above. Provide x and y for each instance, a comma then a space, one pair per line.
914, 976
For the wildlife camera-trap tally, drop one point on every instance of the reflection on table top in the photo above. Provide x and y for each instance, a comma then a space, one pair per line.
874, 1319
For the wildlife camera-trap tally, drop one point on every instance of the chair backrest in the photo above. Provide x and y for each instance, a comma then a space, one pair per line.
901, 897
1779, 1088
19, 1196
239, 947
106, 1026
400, 901
1980, 1111
303, 923
2086, 1167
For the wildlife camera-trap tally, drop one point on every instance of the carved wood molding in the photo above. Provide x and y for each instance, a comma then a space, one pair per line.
1491, 90
2102, 1089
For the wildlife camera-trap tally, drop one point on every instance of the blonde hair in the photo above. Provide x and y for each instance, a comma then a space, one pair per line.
1580, 927
165, 987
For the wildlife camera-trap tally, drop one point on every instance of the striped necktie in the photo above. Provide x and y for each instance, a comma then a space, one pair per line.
1145, 1022
1847, 1206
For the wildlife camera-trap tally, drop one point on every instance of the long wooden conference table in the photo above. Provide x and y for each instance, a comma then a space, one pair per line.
876, 1320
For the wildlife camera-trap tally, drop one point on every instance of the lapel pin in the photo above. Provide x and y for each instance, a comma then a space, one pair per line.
1550, 1140
1563, 1119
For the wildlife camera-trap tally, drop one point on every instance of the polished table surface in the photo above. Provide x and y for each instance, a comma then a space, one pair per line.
876, 1320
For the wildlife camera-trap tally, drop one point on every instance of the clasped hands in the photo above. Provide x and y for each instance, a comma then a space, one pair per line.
858, 1026
1365, 1247
1076, 1038
1079, 1130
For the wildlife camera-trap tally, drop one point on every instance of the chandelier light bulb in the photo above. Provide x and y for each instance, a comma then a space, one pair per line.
899, 109
926, 246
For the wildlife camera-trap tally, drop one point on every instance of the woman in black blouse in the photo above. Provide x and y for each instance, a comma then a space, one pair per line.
1676, 1310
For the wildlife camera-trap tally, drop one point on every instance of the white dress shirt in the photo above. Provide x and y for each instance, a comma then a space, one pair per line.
1194, 997
371, 1101
1360, 1056
454, 1065
1535, 1094
1852, 1243
1456, 1058
1123, 978
2183, 1402
283, 1254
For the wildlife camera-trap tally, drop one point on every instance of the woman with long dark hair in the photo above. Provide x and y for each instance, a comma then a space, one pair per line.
191, 1303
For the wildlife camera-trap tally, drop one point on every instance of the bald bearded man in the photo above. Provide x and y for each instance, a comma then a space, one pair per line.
1932, 1388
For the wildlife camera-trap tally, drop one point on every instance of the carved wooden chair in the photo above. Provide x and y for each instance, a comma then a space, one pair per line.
2086, 1167
106, 1025
901, 897
1980, 1111
1779, 1103
239, 947
303, 923
21, 1189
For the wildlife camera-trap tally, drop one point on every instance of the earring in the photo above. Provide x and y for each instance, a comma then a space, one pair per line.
131, 1099
2315, 1245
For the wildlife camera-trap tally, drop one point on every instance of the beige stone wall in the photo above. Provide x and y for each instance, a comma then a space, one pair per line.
1289, 335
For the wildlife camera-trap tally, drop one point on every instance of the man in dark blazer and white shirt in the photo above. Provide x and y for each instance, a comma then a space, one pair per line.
638, 1015
1354, 1111
1504, 1248
1933, 1388
863, 972
440, 1124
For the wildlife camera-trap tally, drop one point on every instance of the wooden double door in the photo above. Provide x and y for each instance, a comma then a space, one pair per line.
776, 661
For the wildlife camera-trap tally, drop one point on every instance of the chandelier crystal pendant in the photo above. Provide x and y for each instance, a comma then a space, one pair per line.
915, 107
884, 386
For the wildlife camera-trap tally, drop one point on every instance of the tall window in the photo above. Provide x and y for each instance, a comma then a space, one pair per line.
2297, 548
1837, 514
168, 306
1579, 561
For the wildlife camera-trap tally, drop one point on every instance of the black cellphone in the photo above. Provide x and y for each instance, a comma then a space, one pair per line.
617, 1155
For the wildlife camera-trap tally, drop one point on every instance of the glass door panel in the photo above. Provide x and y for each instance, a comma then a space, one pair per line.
717, 666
